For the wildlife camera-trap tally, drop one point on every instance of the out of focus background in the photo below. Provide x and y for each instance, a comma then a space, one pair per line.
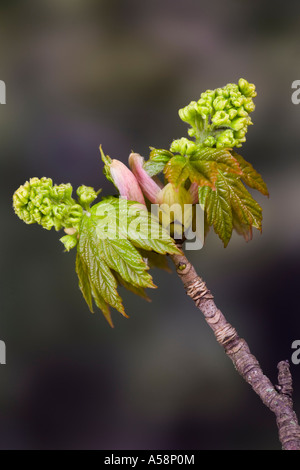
86, 72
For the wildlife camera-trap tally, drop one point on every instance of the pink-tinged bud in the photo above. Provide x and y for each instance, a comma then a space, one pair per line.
193, 190
126, 182
149, 187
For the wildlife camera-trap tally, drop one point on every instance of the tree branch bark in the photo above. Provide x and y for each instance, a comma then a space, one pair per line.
279, 398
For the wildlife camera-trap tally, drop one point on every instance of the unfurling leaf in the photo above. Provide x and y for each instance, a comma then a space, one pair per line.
218, 174
218, 210
157, 161
109, 238
140, 291
250, 176
230, 206
201, 167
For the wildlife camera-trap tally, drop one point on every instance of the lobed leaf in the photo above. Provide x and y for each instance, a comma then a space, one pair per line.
230, 206
110, 237
222, 157
204, 173
157, 161
177, 170
201, 167
140, 291
218, 210
247, 209
250, 176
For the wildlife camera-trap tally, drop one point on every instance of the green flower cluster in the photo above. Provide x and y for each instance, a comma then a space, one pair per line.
220, 118
38, 201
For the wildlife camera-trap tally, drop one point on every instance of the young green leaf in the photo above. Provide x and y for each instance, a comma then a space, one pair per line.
247, 209
218, 209
225, 160
103, 284
140, 291
84, 282
230, 206
201, 167
202, 172
157, 161
242, 229
107, 251
177, 170
250, 176
125, 259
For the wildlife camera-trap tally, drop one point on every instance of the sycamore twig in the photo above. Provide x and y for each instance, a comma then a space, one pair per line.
110, 248
279, 401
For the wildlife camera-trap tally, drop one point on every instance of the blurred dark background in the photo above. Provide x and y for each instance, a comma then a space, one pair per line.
86, 72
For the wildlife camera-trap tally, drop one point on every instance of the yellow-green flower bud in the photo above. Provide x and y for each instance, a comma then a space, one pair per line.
242, 112
70, 241
237, 101
208, 95
249, 106
232, 112
210, 141
188, 113
221, 119
219, 103
247, 89
183, 146
240, 134
238, 124
226, 139
86, 195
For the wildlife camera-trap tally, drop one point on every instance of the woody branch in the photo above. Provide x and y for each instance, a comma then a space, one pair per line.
277, 398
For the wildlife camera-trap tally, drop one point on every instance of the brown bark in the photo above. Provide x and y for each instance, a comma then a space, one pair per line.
279, 399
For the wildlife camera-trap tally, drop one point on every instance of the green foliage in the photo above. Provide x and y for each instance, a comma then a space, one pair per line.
250, 176
118, 240
226, 201
200, 167
219, 121
110, 237
157, 161
230, 206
